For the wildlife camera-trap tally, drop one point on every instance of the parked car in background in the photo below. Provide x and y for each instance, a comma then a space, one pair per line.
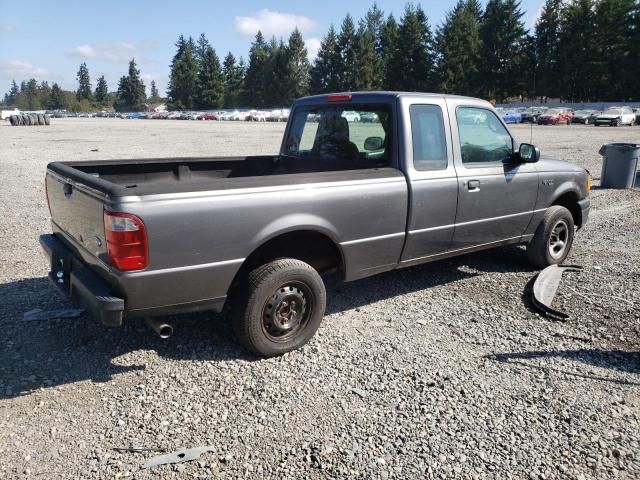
531, 114
637, 113
586, 117
351, 116
207, 116
556, 116
616, 116
136, 116
512, 116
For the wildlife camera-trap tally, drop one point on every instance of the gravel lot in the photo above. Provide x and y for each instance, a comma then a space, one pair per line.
439, 371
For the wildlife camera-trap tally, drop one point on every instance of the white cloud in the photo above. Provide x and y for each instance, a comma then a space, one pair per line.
118, 52
21, 69
313, 46
273, 23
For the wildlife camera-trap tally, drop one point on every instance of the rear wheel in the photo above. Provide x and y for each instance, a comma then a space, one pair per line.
279, 307
553, 238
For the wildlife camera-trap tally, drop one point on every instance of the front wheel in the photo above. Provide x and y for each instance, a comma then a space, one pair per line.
553, 238
279, 307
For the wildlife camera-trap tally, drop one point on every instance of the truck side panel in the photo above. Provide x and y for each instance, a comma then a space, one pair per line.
198, 243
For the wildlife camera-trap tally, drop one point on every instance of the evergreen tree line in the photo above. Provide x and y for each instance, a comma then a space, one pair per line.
579, 50
130, 95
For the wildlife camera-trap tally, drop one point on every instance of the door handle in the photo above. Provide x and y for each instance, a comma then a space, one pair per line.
473, 185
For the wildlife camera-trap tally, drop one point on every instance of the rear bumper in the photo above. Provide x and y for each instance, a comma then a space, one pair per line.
585, 205
77, 282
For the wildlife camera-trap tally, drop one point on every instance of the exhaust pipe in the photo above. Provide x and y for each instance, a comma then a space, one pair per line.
163, 329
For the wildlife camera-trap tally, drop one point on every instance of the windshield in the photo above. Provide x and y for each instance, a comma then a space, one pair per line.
613, 111
341, 131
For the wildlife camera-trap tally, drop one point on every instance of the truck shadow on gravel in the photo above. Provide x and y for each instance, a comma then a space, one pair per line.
556, 361
44, 354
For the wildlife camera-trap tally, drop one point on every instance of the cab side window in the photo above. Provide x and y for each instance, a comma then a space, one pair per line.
483, 138
429, 143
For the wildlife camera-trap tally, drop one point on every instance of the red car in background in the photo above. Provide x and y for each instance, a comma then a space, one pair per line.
555, 116
207, 116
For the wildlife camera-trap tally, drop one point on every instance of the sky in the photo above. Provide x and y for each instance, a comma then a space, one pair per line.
48, 40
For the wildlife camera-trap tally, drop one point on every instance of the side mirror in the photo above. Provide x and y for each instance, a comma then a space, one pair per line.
528, 153
372, 144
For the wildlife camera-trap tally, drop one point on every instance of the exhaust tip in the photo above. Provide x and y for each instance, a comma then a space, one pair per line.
163, 330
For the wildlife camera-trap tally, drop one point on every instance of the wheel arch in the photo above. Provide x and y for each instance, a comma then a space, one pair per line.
569, 200
310, 244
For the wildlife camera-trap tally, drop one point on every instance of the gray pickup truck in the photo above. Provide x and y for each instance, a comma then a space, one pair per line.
364, 183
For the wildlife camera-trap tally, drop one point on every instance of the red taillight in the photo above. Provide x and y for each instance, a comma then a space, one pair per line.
339, 97
126, 241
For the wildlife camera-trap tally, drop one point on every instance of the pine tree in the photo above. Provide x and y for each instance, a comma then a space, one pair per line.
28, 99
57, 99
183, 76
367, 68
389, 44
576, 55
84, 83
233, 79
458, 48
347, 46
275, 80
502, 34
154, 90
632, 67
10, 98
255, 80
374, 22
297, 68
413, 59
102, 90
210, 80
131, 91
547, 49
325, 73
612, 48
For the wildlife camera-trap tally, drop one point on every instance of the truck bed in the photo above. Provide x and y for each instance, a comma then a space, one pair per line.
157, 176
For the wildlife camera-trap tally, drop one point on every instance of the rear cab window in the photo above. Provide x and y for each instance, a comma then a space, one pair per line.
428, 138
359, 135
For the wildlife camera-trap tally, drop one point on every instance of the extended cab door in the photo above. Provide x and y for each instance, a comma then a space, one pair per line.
496, 196
429, 166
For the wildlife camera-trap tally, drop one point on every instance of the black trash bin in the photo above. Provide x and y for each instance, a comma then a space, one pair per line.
619, 165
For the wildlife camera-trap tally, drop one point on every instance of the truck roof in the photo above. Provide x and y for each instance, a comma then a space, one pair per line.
382, 95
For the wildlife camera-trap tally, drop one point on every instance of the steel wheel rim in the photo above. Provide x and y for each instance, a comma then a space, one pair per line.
287, 311
558, 239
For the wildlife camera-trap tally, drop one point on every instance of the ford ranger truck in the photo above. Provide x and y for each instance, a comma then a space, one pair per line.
364, 183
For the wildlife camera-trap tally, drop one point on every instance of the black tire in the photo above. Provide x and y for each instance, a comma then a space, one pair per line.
34, 119
556, 227
615, 123
266, 303
40, 119
47, 119
13, 120
27, 120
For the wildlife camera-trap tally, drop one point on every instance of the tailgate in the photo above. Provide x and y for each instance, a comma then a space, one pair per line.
77, 215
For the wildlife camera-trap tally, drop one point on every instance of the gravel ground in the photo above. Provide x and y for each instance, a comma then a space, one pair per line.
438, 371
